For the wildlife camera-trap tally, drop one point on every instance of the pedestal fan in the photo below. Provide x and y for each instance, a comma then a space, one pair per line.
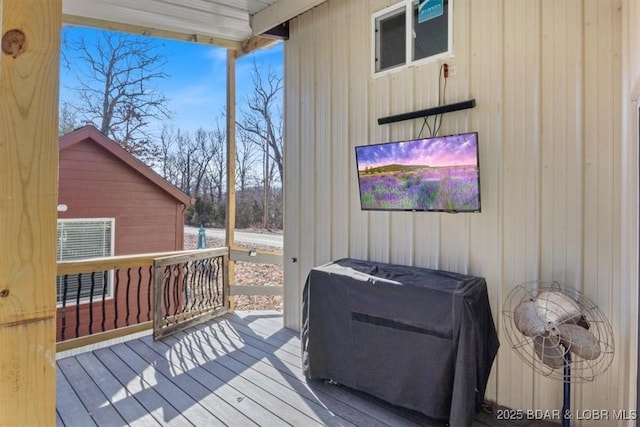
560, 333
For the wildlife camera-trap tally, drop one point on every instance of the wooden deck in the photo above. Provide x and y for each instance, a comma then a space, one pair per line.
241, 370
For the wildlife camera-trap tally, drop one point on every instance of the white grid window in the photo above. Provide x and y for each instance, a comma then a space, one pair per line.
81, 239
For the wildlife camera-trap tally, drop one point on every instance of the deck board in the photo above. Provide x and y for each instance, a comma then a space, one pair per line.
92, 397
237, 376
168, 387
202, 370
139, 391
241, 370
218, 365
129, 409
69, 407
224, 411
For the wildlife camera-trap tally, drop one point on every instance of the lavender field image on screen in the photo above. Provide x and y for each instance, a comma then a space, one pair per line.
438, 174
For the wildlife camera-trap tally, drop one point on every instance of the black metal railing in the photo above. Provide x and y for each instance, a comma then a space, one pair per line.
111, 296
189, 289
103, 300
115, 296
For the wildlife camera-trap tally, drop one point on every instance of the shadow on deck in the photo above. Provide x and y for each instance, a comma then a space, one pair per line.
243, 369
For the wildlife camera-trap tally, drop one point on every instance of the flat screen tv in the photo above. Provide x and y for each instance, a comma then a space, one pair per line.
438, 174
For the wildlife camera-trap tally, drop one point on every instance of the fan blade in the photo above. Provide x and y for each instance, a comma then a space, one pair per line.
583, 322
549, 351
579, 341
526, 319
556, 307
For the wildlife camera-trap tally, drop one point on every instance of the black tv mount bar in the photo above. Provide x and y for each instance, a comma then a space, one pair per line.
428, 112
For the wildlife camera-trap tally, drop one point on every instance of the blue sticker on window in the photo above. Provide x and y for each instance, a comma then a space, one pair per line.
429, 9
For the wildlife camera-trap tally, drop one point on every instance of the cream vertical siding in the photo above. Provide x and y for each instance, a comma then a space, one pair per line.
628, 298
556, 86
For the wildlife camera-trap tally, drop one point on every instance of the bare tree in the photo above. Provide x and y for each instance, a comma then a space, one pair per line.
261, 123
68, 120
206, 150
246, 160
184, 162
115, 75
167, 159
218, 168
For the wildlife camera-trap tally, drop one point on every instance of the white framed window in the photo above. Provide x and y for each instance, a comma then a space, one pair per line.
81, 239
411, 32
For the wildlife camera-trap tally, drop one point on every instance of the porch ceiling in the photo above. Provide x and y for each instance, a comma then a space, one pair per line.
221, 22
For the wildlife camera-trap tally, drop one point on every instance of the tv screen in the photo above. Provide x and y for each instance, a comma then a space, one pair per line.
432, 174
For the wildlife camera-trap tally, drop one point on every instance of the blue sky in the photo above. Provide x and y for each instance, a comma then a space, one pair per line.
196, 87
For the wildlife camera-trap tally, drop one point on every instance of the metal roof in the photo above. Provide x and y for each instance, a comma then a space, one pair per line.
221, 22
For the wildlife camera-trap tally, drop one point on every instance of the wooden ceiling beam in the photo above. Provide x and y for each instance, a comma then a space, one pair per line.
254, 43
148, 31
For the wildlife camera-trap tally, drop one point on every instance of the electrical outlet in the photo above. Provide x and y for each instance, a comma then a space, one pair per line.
453, 70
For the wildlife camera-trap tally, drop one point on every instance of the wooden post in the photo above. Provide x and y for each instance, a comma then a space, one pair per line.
29, 73
231, 164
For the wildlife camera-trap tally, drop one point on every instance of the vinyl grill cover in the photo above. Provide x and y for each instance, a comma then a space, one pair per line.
418, 338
